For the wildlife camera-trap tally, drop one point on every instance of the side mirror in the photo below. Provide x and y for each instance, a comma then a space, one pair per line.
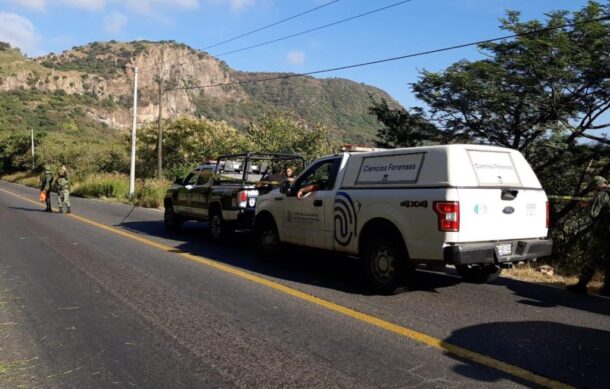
285, 186
178, 181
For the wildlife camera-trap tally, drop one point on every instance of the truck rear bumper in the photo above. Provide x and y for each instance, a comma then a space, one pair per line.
487, 253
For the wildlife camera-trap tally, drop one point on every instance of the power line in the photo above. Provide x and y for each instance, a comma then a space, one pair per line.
250, 32
418, 54
313, 29
270, 25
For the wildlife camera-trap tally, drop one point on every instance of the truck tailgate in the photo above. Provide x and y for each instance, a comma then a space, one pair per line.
493, 214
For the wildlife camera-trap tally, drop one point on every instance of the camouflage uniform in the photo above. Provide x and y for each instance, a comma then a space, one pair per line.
598, 234
46, 183
62, 185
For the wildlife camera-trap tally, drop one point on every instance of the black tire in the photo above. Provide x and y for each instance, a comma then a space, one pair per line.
219, 229
385, 264
267, 239
478, 274
172, 221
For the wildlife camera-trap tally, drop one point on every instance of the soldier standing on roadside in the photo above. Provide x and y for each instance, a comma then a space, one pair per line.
46, 183
62, 185
598, 235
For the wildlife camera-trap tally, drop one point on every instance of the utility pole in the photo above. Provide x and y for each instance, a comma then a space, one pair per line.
33, 152
132, 170
160, 131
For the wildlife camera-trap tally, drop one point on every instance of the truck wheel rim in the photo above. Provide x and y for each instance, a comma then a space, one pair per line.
269, 239
382, 265
215, 227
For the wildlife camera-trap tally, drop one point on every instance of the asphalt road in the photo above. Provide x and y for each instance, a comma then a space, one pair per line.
84, 306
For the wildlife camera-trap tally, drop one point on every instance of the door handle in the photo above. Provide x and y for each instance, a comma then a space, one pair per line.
278, 198
317, 203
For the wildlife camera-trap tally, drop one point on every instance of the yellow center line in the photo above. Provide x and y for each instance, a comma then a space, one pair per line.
363, 317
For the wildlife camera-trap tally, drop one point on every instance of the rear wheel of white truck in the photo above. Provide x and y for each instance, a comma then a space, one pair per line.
478, 274
385, 263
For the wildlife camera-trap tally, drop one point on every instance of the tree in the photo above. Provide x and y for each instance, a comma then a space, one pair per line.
16, 151
282, 132
402, 128
545, 93
186, 143
553, 81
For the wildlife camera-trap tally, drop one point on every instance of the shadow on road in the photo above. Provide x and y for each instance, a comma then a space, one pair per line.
546, 297
299, 265
575, 355
30, 209
339, 272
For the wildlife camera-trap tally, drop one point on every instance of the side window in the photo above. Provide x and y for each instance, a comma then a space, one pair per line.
323, 174
191, 179
204, 176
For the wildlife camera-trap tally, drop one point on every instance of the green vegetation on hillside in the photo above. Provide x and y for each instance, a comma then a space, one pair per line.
11, 60
337, 103
22, 110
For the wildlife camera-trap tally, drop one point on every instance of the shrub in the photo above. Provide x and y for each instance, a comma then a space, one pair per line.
103, 185
150, 193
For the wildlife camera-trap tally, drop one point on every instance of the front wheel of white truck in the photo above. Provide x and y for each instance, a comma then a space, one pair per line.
478, 274
267, 238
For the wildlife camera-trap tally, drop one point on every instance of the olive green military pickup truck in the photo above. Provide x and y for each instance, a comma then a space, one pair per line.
224, 194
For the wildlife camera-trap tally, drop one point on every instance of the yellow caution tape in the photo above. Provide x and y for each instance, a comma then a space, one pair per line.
569, 198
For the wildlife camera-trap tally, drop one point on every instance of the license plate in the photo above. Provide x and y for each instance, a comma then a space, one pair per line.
504, 249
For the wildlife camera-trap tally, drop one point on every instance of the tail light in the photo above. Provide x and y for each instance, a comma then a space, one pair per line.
448, 213
242, 199
548, 214
246, 198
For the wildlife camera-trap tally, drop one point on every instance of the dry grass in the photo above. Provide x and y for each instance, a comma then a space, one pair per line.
110, 186
150, 193
529, 273
23, 178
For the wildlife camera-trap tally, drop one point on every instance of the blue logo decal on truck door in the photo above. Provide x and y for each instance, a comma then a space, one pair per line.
346, 219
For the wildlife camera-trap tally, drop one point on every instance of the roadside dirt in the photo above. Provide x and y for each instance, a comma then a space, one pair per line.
531, 273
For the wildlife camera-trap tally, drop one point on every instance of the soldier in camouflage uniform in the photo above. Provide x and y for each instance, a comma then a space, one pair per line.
62, 186
46, 183
598, 234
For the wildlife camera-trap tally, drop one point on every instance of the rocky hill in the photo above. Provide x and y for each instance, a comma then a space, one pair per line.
92, 86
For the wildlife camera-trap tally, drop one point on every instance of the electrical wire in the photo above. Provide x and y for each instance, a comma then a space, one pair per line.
412, 55
249, 33
270, 25
312, 29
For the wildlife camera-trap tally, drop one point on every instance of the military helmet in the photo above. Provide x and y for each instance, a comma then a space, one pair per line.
599, 181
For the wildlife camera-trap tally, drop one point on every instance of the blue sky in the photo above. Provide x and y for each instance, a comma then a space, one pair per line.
43, 26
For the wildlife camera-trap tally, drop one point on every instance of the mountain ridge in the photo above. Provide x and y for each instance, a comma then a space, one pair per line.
104, 71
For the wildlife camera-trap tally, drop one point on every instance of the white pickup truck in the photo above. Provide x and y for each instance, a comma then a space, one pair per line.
475, 207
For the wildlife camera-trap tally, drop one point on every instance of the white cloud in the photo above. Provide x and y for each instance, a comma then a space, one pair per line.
89, 5
236, 5
138, 6
295, 57
153, 6
19, 32
38, 5
114, 22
